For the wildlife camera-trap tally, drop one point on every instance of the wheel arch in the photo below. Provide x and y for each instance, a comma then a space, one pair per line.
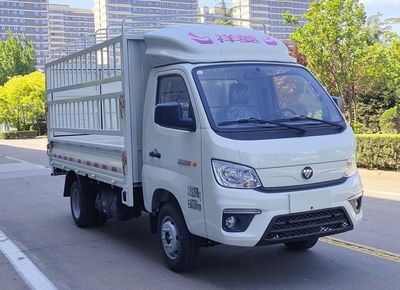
70, 178
160, 197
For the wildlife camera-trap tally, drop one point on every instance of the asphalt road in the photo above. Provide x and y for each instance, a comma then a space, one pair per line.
124, 255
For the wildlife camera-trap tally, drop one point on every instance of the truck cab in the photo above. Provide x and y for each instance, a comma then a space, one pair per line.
238, 145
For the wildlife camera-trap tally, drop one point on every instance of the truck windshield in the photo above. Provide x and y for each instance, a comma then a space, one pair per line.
274, 94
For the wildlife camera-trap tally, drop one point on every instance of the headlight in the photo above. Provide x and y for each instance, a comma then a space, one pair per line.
234, 175
351, 166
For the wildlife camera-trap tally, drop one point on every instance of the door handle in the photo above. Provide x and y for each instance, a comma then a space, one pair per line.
155, 154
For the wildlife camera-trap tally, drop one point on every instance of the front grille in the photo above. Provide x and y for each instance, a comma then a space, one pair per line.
302, 225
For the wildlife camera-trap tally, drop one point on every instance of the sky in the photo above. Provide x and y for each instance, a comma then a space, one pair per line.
389, 8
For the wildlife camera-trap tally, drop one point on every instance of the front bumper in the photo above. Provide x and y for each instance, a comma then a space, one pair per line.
275, 205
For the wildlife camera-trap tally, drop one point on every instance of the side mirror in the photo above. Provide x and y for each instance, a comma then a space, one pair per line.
339, 102
169, 115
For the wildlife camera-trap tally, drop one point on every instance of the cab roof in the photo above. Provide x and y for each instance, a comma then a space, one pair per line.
213, 43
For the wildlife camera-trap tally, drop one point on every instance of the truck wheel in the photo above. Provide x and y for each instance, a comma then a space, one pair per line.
82, 206
302, 245
180, 248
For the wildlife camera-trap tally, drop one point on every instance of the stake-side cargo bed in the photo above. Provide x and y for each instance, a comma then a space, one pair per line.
94, 120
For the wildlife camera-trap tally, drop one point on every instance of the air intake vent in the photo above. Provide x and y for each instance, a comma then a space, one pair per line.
302, 225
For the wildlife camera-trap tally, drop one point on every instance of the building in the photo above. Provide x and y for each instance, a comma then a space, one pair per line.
27, 17
67, 24
112, 12
212, 11
270, 12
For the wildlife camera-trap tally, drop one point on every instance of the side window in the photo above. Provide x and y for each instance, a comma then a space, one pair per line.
172, 88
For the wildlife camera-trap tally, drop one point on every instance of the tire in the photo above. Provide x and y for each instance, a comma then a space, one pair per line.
180, 248
302, 245
82, 205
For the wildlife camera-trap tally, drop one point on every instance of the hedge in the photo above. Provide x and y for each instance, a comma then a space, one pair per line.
18, 134
378, 151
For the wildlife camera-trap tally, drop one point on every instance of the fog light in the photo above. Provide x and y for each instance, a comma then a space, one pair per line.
231, 222
356, 203
237, 219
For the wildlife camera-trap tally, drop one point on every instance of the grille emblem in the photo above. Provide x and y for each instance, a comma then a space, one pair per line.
307, 172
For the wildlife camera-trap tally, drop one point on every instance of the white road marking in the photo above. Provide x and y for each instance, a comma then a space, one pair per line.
23, 161
32, 276
21, 169
384, 192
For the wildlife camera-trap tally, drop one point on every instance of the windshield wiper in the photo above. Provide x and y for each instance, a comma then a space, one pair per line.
302, 117
259, 121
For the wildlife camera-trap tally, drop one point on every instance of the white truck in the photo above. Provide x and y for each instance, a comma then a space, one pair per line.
214, 131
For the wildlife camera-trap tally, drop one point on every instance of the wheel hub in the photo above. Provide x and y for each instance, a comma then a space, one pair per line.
170, 238
76, 208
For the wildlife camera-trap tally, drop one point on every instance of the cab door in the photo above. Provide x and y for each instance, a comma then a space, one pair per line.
172, 154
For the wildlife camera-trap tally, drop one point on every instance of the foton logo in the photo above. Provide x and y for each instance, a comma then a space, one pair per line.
200, 39
237, 38
307, 172
229, 38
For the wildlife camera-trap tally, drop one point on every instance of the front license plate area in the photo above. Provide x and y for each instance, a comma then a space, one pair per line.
306, 201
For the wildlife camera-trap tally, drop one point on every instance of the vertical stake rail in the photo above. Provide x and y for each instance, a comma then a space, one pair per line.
83, 116
114, 60
67, 72
93, 118
75, 70
110, 114
104, 115
79, 117
108, 61
117, 112
86, 72
99, 114
81, 68
96, 65
63, 73
102, 63
74, 118
91, 64
56, 75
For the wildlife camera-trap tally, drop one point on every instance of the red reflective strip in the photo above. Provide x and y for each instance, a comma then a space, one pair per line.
114, 169
105, 167
96, 164
71, 159
65, 158
79, 161
88, 163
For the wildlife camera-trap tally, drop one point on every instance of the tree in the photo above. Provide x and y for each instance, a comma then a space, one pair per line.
333, 40
225, 12
376, 88
17, 56
395, 73
290, 18
379, 76
388, 121
295, 52
376, 29
22, 100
